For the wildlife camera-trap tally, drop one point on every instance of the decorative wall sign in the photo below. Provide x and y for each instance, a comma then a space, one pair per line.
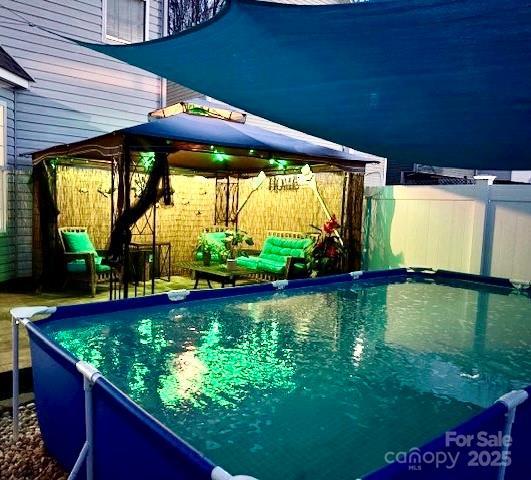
284, 182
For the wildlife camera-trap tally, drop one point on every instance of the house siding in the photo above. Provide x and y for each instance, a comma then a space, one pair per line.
6, 238
77, 93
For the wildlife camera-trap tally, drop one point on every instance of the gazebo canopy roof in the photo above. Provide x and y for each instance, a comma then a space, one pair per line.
206, 145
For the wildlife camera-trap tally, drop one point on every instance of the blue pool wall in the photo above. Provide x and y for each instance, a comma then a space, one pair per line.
130, 443
489, 422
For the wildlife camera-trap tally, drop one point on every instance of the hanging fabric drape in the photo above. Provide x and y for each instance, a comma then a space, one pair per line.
129, 215
429, 81
45, 264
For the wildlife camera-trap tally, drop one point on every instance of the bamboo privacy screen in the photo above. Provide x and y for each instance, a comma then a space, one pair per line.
291, 210
82, 203
83, 198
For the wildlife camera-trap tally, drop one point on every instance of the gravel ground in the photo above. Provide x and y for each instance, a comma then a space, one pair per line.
27, 460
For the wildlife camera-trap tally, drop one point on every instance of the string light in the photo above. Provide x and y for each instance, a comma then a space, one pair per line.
219, 157
281, 164
146, 160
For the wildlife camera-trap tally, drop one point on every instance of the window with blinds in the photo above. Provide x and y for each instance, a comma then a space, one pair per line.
126, 20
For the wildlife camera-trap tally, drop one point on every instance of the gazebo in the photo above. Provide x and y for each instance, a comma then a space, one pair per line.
205, 140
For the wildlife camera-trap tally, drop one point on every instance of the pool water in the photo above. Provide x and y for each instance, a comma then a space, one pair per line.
313, 383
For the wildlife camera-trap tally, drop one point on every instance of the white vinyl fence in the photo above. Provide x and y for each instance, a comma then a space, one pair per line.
467, 228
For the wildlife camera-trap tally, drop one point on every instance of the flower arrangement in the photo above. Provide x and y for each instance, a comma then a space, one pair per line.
328, 250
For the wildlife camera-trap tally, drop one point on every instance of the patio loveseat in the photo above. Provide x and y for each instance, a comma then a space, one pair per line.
284, 255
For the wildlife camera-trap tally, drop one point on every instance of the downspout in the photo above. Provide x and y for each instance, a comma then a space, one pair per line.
15, 186
163, 81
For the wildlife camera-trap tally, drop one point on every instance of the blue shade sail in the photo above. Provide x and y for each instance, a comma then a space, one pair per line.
429, 81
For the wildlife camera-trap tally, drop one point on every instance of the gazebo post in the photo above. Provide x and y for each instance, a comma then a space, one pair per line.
352, 220
112, 285
237, 203
154, 248
127, 205
227, 200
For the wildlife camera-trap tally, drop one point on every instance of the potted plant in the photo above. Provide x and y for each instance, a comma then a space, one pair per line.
207, 248
328, 250
233, 241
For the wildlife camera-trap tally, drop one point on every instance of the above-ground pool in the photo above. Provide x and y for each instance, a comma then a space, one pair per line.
331, 380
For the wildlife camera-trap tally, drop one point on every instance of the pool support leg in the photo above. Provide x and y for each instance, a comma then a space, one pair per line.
511, 400
89, 431
86, 454
21, 315
90, 375
79, 462
15, 341
15, 338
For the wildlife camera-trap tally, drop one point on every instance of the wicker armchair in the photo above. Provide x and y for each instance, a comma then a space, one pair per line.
81, 260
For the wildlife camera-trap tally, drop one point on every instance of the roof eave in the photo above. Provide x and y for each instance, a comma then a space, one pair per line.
13, 79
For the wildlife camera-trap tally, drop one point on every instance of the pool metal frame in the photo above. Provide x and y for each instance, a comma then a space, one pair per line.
91, 376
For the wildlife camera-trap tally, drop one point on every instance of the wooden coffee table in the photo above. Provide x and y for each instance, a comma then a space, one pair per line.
217, 273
